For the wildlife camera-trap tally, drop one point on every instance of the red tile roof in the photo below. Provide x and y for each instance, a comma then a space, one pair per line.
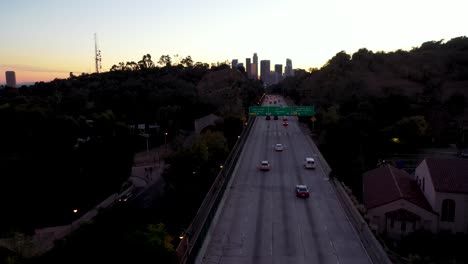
449, 175
387, 184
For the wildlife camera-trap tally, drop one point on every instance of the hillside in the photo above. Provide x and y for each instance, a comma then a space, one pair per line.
71, 139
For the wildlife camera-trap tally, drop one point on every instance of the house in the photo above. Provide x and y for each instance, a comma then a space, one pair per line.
395, 204
444, 183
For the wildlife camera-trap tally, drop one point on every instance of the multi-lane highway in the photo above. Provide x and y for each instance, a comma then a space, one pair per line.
262, 220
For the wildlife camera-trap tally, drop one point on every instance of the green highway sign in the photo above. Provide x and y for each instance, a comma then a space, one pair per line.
258, 110
303, 110
270, 110
282, 110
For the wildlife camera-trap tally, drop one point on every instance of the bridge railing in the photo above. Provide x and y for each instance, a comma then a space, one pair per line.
189, 246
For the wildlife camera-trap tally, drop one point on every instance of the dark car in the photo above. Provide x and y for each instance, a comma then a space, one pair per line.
268, 117
275, 117
264, 165
302, 191
285, 123
125, 197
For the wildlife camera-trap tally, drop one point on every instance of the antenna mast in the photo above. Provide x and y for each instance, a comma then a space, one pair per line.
97, 55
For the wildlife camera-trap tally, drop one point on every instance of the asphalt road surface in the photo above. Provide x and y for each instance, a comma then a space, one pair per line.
262, 220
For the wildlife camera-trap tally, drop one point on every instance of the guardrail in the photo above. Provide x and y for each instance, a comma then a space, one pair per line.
189, 246
373, 247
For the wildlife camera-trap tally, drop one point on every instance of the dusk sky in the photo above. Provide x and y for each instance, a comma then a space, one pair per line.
47, 39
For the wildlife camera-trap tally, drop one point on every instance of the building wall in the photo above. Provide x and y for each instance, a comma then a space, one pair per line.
377, 218
255, 63
422, 177
234, 63
264, 70
10, 77
435, 199
253, 70
248, 67
460, 223
288, 71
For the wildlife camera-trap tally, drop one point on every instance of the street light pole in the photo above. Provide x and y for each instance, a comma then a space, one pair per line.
73, 218
165, 141
147, 147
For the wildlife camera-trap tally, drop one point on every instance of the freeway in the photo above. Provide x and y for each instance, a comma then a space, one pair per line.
262, 220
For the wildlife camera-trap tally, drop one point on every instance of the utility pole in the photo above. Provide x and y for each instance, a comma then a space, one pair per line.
97, 55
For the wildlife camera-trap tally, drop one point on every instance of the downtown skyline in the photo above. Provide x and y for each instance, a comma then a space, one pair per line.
49, 39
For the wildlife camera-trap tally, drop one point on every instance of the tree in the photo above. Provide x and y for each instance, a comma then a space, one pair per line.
131, 65
146, 62
187, 61
456, 104
165, 60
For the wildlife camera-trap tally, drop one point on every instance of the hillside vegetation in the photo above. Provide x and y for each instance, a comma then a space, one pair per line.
375, 105
69, 143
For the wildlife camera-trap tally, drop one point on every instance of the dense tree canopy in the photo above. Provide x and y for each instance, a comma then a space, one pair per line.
72, 139
389, 103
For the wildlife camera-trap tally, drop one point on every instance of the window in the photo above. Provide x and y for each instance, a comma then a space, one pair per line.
448, 210
403, 226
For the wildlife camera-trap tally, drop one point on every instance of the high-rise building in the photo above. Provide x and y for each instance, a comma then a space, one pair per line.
254, 71
234, 63
248, 68
10, 79
264, 70
255, 61
288, 70
278, 72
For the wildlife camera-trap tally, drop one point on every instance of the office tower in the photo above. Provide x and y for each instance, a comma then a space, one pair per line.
264, 70
254, 71
234, 63
248, 68
240, 65
278, 72
10, 79
255, 62
288, 70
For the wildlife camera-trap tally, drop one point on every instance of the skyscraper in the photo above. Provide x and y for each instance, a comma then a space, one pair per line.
10, 79
248, 68
288, 70
234, 63
264, 70
278, 72
255, 62
254, 71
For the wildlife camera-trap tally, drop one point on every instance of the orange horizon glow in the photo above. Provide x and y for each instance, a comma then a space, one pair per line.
32, 77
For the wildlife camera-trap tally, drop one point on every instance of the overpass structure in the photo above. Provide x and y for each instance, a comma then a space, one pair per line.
257, 217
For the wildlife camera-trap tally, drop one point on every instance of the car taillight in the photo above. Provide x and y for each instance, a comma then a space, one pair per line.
307, 193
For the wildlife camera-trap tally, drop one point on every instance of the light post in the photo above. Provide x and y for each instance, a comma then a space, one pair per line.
73, 218
165, 141
146, 135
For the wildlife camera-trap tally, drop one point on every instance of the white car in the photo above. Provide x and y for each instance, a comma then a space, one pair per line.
279, 147
309, 163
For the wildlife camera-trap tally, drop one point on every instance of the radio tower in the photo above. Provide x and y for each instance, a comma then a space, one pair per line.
97, 55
